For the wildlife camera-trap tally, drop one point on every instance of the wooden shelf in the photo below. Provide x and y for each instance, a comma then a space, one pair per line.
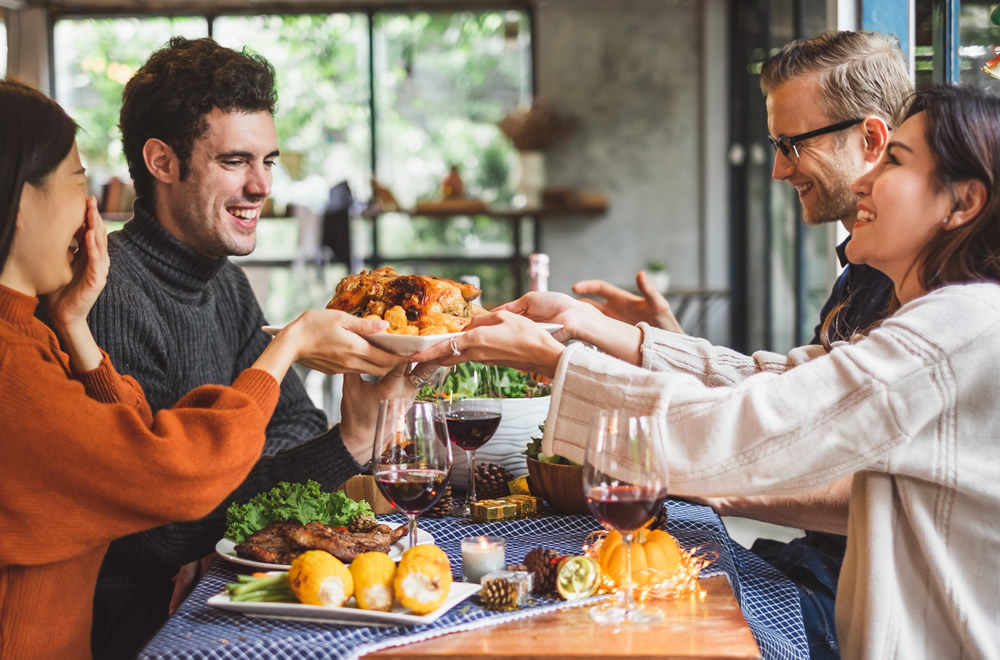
517, 259
510, 212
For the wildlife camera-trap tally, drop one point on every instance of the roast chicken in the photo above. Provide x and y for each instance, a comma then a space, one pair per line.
420, 296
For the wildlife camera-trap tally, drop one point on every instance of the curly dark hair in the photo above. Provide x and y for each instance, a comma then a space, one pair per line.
36, 135
170, 95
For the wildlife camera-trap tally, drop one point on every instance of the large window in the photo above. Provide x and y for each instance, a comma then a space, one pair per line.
441, 82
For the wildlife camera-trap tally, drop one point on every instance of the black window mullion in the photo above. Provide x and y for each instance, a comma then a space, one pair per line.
373, 131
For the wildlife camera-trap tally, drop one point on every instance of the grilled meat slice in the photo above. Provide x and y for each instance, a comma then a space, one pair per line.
394, 534
271, 545
282, 542
345, 546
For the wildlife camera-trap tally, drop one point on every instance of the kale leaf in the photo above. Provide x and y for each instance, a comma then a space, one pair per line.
291, 501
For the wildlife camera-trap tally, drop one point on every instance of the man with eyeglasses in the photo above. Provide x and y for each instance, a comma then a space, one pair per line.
831, 103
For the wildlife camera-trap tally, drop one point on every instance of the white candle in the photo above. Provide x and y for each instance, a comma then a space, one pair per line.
481, 555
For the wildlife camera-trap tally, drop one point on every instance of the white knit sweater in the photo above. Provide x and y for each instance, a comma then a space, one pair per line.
912, 409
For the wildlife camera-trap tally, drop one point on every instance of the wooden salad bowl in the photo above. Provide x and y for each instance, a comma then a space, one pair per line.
559, 485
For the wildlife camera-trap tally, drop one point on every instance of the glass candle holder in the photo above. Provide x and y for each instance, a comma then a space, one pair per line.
482, 555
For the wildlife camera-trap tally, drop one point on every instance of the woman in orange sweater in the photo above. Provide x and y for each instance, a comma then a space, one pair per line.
82, 459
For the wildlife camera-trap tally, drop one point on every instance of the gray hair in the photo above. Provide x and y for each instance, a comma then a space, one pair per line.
860, 73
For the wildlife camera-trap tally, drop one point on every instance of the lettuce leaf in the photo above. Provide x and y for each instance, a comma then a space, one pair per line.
291, 501
463, 382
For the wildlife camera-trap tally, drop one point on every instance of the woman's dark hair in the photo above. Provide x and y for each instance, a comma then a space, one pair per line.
963, 131
36, 134
170, 95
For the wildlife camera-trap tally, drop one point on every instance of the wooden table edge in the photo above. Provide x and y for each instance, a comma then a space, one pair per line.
709, 628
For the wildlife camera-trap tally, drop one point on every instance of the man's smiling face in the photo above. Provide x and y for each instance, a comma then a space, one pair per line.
215, 208
827, 164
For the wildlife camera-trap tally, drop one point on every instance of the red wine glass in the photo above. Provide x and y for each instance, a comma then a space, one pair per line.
625, 478
411, 457
473, 416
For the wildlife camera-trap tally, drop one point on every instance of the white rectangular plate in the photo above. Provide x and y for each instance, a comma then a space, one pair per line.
350, 614
410, 344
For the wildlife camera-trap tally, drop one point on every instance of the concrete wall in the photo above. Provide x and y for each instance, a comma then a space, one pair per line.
631, 71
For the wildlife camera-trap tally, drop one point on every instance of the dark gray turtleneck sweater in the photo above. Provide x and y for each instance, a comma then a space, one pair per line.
175, 320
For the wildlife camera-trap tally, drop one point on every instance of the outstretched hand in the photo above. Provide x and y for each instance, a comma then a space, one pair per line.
500, 337
69, 305
551, 307
332, 341
619, 304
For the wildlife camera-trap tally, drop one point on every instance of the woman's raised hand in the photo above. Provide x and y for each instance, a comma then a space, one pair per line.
69, 305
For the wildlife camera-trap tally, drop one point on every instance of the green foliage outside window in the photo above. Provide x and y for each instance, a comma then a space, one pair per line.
94, 58
446, 80
442, 82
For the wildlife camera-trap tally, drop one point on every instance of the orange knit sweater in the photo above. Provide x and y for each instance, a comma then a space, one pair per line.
82, 461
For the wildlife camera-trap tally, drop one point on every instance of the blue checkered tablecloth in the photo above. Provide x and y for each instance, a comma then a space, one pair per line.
769, 601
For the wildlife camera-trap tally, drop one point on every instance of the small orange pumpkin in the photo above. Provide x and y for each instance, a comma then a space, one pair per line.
655, 555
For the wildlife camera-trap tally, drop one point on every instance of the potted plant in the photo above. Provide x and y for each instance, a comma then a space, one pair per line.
659, 277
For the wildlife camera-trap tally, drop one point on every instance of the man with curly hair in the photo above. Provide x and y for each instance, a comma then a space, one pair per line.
199, 137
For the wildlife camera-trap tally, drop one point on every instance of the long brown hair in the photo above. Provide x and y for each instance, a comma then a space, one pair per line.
963, 132
36, 134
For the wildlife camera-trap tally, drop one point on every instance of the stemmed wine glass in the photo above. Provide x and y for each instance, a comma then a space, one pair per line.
411, 458
473, 416
625, 478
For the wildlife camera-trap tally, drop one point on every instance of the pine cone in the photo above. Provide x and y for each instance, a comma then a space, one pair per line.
498, 594
442, 507
362, 524
491, 481
543, 563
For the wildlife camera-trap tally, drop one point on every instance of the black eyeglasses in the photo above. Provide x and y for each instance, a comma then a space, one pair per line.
790, 145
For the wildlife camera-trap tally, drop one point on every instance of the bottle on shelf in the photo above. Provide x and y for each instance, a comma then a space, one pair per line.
452, 186
538, 271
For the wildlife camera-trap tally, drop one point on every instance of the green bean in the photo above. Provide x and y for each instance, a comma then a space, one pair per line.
281, 579
264, 596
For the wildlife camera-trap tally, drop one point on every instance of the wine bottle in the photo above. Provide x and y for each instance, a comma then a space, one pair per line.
538, 271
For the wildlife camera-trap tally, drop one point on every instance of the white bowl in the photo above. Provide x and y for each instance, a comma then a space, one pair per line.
518, 424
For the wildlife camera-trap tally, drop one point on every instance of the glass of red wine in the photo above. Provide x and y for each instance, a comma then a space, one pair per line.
473, 415
625, 478
411, 457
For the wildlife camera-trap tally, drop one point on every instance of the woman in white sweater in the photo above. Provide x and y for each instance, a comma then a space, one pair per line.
910, 409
